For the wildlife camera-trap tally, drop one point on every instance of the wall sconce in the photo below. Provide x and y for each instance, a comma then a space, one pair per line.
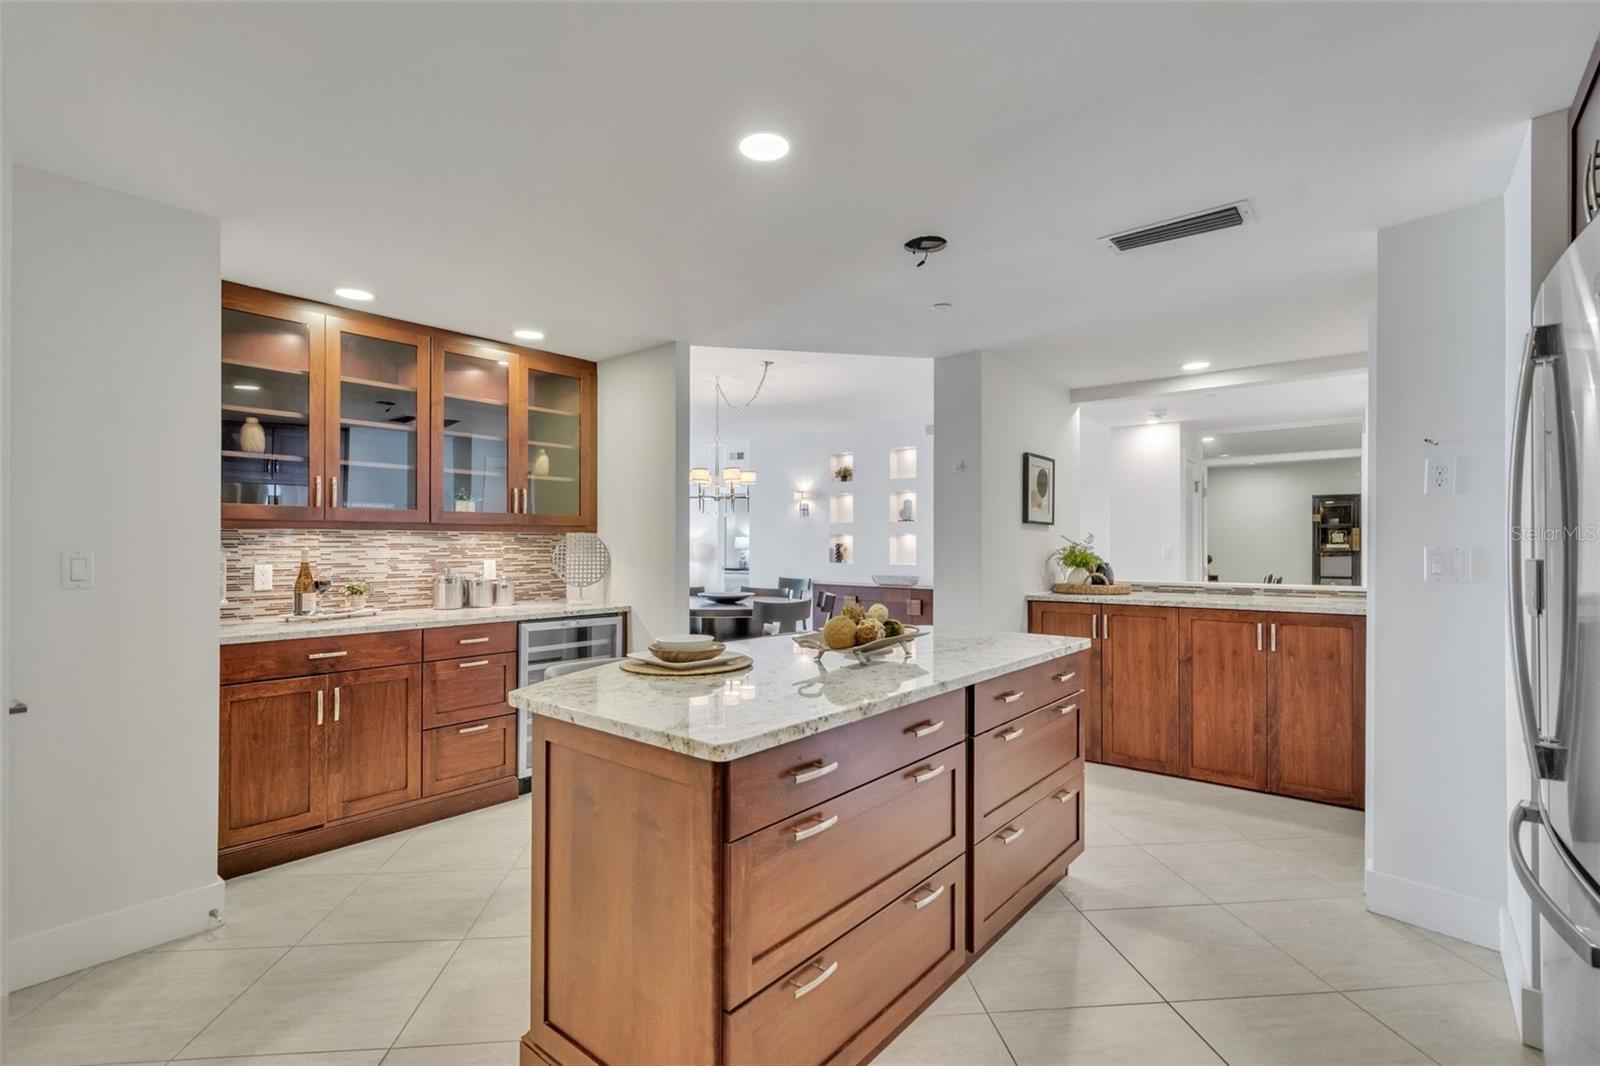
802, 504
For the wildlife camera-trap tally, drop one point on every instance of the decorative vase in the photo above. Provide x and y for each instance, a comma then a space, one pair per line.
1075, 575
907, 511
355, 603
541, 463
466, 505
252, 436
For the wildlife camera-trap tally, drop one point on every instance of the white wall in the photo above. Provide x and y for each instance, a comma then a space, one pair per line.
1435, 652
643, 475
987, 412
1256, 516
1094, 481
1535, 207
1147, 503
112, 808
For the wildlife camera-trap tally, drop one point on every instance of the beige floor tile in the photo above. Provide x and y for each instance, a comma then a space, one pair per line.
25, 1000
959, 998
1486, 959
1144, 1034
947, 1040
484, 846
1497, 1053
524, 860
409, 906
1202, 953
495, 1054
1335, 858
1319, 1030
1173, 823
362, 858
369, 1057
1240, 871
265, 912
1055, 958
482, 995
1103, 878
145, 1006
330, 997
1449, 1021
1097, 832
509, 911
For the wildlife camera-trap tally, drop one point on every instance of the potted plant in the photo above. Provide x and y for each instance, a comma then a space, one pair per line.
464, 500
845, 473
1076, 560
355, 594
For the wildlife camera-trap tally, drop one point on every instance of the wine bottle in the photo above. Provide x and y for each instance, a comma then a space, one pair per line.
305, 587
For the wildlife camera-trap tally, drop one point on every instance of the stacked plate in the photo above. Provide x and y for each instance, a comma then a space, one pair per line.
685, 652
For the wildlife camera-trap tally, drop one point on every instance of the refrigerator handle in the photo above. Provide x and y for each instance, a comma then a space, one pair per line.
1554, 746
1516, 601
1570, 931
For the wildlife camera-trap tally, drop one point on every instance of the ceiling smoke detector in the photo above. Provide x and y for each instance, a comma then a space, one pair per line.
1228, 216
925, 246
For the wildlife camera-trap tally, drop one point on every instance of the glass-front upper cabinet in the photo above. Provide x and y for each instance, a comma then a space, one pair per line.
377, 400
554, 444
272, 409
472, 463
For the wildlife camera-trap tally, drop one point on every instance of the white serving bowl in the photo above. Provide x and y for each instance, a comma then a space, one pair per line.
685, 642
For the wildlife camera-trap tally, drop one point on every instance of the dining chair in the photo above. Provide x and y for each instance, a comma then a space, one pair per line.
763, 590
796, 588
826, 601
792, 615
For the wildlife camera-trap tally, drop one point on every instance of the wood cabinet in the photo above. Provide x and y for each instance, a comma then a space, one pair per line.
1066, 619
908, 604
1223, 659
1316, 733
274, 771
375, 740
1139, 688
333, 418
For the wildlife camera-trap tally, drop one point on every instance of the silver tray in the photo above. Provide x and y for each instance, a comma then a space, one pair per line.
861, 652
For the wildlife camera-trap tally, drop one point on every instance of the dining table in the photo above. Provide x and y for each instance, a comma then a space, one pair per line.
727, 621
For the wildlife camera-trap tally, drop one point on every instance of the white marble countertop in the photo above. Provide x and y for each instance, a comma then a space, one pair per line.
274, 628
784, 696
1289, 599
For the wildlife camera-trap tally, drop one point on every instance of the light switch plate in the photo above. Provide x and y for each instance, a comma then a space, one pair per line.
261, 577
1452, 565
489, 569
77, 570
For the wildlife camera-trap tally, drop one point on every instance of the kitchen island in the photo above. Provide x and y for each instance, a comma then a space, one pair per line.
788, 863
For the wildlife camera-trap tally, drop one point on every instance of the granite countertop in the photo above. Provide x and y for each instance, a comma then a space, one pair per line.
1288, 599
784, 696
274, 628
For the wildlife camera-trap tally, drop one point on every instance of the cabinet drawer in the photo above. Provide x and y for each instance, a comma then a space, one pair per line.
773, 784
465, 690
1012, 763
1001, 699
845, 999
793, 887
451, 642
459, 756
319, 655
1027, 855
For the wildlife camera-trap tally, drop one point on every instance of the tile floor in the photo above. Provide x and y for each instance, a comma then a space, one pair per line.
1202, 925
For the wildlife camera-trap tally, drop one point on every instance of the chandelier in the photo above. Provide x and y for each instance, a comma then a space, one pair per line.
732, 487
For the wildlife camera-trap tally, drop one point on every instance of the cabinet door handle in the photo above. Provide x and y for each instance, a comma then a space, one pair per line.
926, 728
336, 703
1012, 832
1065, 795
1274, 636
333, 491
473, 729
812, 771
825, 971
319, 706
475, 662
819, 824
926, 773
1066, 708
933, 893
318, 501
1094, 626
1011, 734
1258, 636
1062, 679
473, 640
327, 655
1105, 630
1011, 697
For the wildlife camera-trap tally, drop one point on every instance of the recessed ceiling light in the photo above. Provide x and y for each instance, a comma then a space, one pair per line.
1224, 455
1156, 415
764, 146
943, 305
1208, 440
246, 387
1198, 364
345, 292
527, 335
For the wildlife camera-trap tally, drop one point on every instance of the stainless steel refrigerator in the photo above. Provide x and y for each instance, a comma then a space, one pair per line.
1554, 576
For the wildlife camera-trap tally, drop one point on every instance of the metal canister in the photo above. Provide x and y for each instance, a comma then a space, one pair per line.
448, 592
505, 593
480, 592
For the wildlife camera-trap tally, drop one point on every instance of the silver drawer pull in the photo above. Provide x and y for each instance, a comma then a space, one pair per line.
818, 825
473, 640
1011, 697
812, 771
475, 662
473, 729
824, 971
1010, 833
926, 728
1011, 734
1069, 794
920, 902
1062, 679
926, 773
327, 655
1066, 708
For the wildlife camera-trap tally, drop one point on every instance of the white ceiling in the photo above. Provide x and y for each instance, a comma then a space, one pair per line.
805, 391
572, 167
1297, 401
1328, 436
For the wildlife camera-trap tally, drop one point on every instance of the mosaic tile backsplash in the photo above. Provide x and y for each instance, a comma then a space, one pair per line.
399, 564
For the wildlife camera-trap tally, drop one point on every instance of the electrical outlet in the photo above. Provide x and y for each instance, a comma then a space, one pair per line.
261, 577
1439, 475
1168, 551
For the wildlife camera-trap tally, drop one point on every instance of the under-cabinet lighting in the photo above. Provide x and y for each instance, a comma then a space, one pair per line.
246, 387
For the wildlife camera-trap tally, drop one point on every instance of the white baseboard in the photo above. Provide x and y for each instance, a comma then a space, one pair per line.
69, 948
1527, 1002
1476, 921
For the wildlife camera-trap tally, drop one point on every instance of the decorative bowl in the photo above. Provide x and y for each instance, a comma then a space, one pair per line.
897, 579
685, 642
696, 655
861, 652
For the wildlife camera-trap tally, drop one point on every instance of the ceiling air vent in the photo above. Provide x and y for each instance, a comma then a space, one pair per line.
1208, 221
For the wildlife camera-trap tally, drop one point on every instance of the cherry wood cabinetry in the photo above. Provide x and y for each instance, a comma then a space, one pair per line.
375, 743
1266, 700
802, 904
333, 418
274, 759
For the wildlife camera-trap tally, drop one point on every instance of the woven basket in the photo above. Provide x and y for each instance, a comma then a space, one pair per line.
1121, 588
